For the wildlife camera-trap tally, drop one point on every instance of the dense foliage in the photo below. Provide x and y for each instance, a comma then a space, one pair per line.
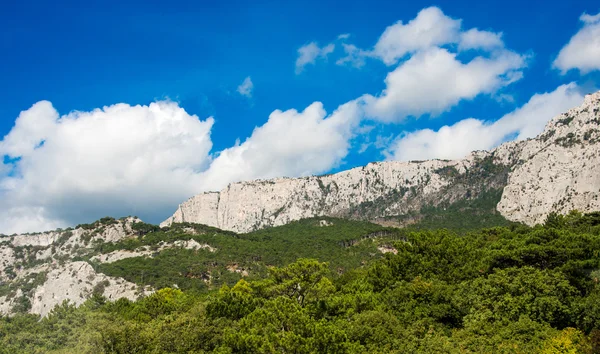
201, 270
512, 289
462, 215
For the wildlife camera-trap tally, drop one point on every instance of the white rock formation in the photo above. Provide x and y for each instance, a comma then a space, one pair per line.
29, 257
7, 259
147, 251
547, 175
43, 239
560, 169
75, 282
247, 206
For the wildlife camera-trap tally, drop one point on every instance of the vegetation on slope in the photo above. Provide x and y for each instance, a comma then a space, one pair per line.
509, 289
462, 215
254, 252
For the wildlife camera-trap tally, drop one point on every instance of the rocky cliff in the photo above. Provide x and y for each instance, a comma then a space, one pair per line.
559, 170
555, 172
39, 271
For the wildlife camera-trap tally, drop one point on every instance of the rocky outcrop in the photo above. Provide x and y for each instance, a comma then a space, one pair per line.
559, 170
40, 271
75, 282
556, 171
36, 272
397, 187
148, 251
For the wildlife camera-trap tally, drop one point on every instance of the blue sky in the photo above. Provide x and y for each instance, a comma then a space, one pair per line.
82, 56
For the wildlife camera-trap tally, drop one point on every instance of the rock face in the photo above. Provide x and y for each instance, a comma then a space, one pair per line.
36, 273
559, 170
247, 206
75, 282
555, 172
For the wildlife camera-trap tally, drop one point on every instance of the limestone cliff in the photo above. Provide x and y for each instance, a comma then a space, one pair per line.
39, 271
557, 171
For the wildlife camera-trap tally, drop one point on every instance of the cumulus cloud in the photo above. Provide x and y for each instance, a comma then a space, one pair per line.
309, 53
430, 28
144, 160
246, 87
457, 140
117, 159
290, 143
476, 39
583, 50
430, 76
433, 81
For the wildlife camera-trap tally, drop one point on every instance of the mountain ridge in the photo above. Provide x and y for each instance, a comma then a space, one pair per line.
397, 188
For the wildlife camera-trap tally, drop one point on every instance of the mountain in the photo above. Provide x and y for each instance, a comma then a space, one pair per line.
218, 238
365, 289
556, 171
127, 258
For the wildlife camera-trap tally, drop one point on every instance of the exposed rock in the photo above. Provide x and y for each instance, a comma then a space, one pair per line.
29, 257
75, 282
559, 169
40, 239
147, 251
556, 171
121, 254
43, 254
248, 206
192, 245
325, 223
7, 259
387, 249
6, 303
234, 268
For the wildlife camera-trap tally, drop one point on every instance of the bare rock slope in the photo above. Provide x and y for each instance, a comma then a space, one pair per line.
555, 172
39, 271
559, 170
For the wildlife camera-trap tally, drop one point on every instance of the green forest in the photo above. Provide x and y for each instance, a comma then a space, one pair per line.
330, 289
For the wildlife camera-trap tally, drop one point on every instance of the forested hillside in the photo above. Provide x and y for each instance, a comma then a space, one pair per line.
334, 286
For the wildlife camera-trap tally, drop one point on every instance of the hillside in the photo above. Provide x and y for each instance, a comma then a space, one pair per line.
514, 289
523, 181
555, 172
128, 258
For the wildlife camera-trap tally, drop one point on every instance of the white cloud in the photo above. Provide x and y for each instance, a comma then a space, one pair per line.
583, 50
114, 160
457, 140
28, 219
431, 28
144, 160
590, 19
431, 77
290, 144
354, 56
246, 87
309, 53
433, 81
476, 39
31, 128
